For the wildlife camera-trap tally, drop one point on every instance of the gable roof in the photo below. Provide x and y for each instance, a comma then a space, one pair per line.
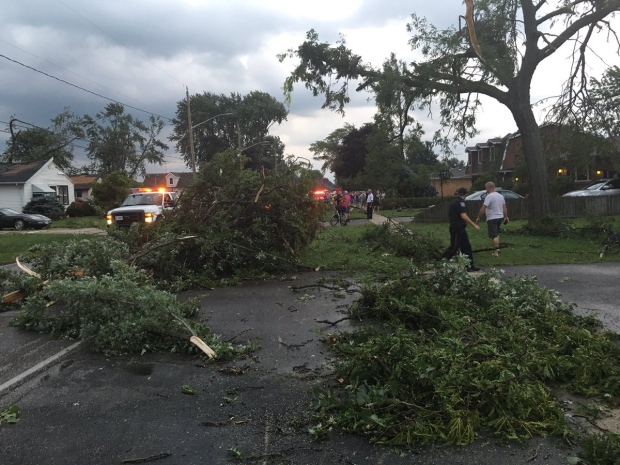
84, 181
19, 173
159, 179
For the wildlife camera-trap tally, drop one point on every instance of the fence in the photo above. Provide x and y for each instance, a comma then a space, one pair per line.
566, 207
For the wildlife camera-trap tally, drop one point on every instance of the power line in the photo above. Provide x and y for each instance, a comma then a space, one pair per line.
69, 71
111, 36
85, 90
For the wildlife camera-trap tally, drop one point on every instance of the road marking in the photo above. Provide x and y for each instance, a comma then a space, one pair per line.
39, 366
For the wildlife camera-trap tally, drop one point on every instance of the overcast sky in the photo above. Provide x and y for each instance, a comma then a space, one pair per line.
143, 53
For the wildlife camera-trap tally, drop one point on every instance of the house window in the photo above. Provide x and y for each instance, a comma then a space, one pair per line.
171, 181
492, 154
63, 194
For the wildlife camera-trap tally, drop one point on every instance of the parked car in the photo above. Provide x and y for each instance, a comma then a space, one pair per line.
600, 187
9, 218
481, 195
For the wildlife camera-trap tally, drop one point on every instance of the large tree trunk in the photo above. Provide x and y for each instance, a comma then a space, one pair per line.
538, 201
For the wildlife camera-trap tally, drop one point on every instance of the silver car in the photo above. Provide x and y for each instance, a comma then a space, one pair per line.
601, 187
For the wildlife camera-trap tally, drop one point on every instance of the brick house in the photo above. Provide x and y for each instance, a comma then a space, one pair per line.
484, 157
506, 156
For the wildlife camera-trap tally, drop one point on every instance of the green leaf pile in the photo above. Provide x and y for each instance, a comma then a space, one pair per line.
446, 356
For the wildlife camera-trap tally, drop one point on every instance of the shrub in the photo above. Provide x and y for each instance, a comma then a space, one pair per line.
81, 209
47, 206
550, 226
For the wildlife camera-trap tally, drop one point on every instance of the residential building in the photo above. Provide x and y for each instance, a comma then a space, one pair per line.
20, 182
83, 185
175, 181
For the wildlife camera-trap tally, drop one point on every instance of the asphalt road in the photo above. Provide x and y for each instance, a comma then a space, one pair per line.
86, 408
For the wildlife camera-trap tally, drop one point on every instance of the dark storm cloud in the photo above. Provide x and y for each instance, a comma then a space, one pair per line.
143, 52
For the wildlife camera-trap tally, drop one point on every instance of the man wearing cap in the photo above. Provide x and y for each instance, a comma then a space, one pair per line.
459, 240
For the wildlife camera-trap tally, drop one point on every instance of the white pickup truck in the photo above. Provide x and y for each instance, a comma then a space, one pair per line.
141, 207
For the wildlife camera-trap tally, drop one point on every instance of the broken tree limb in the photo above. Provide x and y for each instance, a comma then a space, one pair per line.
469, 18
150, 458
157, 246
275, 256
27, 270
194, 339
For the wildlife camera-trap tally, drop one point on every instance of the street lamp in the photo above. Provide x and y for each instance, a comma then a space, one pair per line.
191, 138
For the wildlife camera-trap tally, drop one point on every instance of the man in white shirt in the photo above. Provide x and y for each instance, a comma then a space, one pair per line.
369, 200
494, 208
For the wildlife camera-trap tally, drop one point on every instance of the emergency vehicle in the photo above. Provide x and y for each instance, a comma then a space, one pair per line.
142, 205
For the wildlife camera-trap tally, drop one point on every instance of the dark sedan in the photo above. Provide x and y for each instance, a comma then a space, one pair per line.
9, 218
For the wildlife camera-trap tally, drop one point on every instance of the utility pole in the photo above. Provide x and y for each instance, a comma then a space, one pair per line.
239, 145
191, 134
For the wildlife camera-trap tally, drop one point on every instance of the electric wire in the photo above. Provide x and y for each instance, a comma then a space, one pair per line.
71, 72
83, 89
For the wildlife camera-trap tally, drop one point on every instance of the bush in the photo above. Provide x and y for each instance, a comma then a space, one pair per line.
86, 208
549, 226
47, 206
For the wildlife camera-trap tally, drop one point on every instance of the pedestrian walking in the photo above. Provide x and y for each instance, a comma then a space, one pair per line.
494, 208
369, 204
459, 239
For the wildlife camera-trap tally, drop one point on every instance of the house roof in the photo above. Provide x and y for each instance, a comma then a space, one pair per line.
84, 181
159, 179
19, 173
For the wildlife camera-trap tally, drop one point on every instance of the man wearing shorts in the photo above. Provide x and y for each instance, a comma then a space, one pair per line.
494, 208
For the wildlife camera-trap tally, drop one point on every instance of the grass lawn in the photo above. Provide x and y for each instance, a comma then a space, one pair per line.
17, 244
405, 212
342, 249
80, 222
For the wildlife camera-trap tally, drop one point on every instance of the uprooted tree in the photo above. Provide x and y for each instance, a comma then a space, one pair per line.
495, 54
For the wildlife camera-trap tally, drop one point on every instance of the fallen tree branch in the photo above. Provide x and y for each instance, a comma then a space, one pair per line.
274, 256
150, 458
158, 246
333, 323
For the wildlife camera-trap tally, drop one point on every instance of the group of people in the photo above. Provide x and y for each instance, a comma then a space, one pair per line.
496, 213
367, 201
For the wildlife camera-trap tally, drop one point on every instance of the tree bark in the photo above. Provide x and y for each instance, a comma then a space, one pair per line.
538, 201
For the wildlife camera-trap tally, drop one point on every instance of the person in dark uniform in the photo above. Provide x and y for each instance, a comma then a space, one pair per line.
459, 240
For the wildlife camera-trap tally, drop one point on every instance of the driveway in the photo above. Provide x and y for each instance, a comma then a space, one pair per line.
96, 231
92, 409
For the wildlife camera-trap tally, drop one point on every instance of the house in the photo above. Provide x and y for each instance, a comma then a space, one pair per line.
447, 183
83, 185
484, 157
20, 182
506, 156
171, 181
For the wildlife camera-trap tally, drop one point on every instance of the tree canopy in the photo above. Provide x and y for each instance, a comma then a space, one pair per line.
496, 54
223, 122
38, 144
121, 142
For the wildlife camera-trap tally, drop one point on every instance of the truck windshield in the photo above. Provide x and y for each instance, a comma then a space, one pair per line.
142, 199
